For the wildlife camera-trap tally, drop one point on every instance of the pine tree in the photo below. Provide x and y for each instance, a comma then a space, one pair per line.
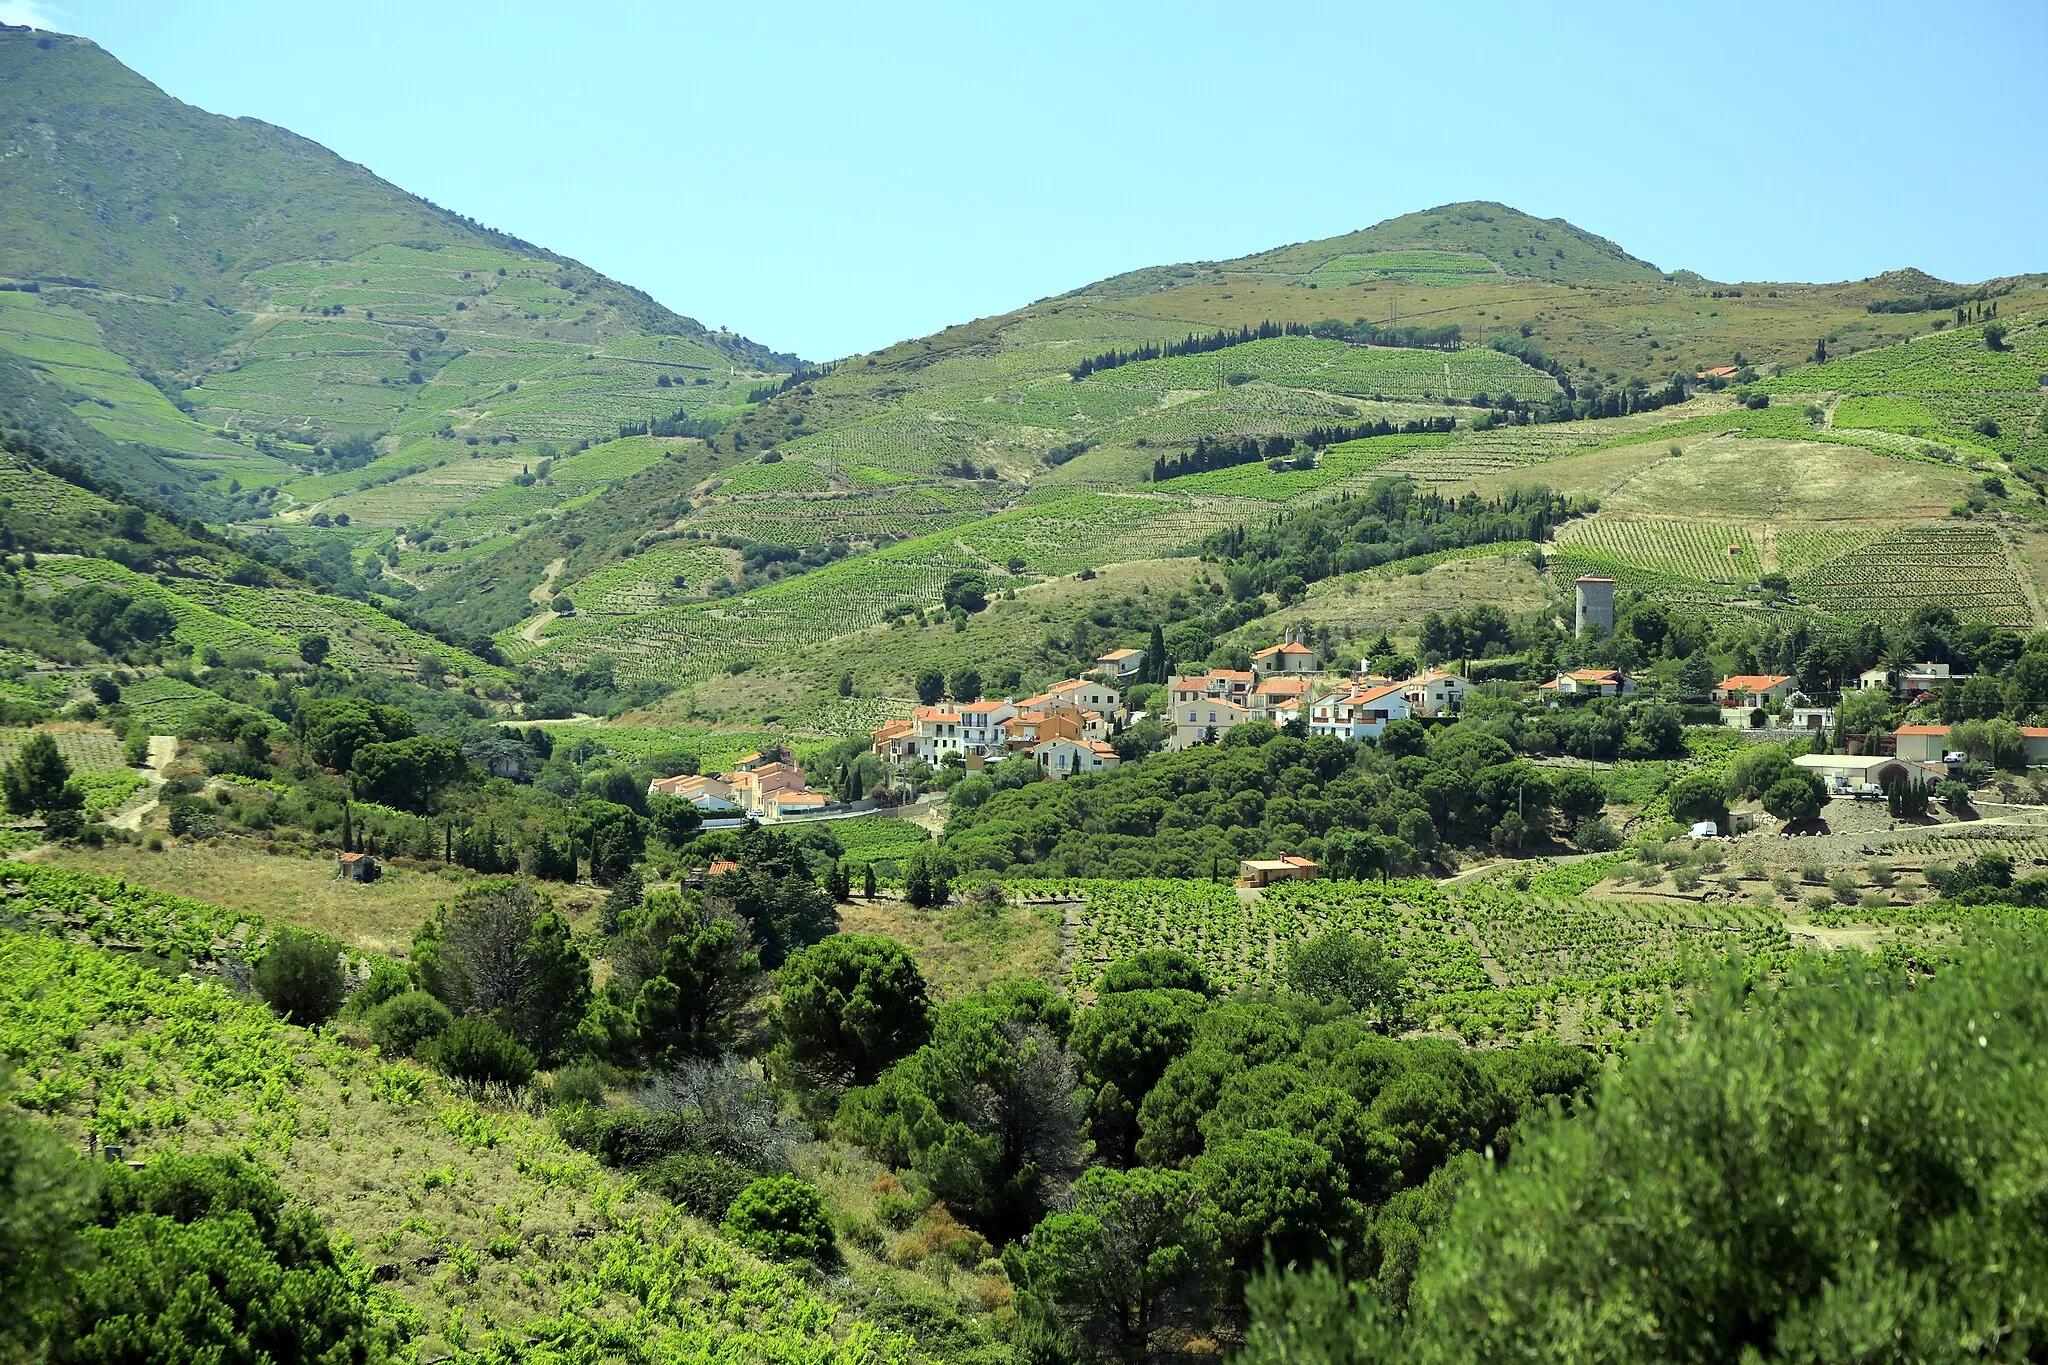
867, 882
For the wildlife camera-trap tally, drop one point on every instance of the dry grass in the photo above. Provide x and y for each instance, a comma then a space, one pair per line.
1740, 477
1369, 605
961, 949
287, 888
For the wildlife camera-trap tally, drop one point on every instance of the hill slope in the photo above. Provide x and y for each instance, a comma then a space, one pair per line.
244, 300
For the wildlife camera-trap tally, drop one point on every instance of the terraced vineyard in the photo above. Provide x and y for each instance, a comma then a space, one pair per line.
170, 706
899, 513
1641, 552
647, 581
269, 622
1490, 959
1045, 539
1963, 568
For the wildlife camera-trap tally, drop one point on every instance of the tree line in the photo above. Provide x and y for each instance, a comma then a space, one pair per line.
1192, 344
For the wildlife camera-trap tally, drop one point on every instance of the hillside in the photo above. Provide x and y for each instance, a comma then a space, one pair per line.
243, 301
99, 578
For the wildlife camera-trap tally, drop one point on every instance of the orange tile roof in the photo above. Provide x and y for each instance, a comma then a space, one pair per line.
1273, 687
1291, 647
894, 729
1123, 654
1754, 682
1927, 730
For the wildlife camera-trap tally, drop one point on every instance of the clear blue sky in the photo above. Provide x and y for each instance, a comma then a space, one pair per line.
831, 178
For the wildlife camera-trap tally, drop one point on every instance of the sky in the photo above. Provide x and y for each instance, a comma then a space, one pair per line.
829, 179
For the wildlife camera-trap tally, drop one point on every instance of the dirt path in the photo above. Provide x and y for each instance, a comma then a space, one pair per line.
542, 594
130, 815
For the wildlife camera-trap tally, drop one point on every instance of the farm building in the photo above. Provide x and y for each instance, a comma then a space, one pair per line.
1929, 743
1847, 774
1266, 871
355, 867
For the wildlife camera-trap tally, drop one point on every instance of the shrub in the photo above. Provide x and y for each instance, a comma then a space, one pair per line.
781, 1217
476, 1049
1596, 835
581, 1083
1813, 874
301, 977
623, 1137
1686, 878
1843, 887
1881, 873
403, 1024
388, 979
705, 1183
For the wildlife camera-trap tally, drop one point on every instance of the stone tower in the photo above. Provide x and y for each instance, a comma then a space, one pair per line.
1596, 605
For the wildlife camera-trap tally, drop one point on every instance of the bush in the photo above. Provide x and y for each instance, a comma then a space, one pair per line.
301, 977
1844, 888
582, 1083
1813, 874
1596, 835
781, 1217
705, 1183
388, 979
623, 1137
1881, 873
405, 1023
476, 1049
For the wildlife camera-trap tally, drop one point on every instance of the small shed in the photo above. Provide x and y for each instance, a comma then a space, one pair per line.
355, 867
1266, 871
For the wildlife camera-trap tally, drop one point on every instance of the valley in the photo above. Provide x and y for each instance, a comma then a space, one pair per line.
554, 832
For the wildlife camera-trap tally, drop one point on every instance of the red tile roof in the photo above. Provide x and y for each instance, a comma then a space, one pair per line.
1754, 682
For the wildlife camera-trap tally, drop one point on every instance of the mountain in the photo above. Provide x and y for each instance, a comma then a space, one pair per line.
244, 301
1452, 244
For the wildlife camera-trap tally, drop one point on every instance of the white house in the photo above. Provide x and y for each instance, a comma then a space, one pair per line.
706, 793
1062, 758
1751, 690
1292, 657
1097, 699
1281, 698
1358, 713
1591, 682
1435, 693
1122, 663
1926, 677
1873, 678
970, 729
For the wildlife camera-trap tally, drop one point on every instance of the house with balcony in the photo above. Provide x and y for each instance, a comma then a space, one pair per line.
1358, 712
973, 729
1033, 725
1435, 693
1282, 698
